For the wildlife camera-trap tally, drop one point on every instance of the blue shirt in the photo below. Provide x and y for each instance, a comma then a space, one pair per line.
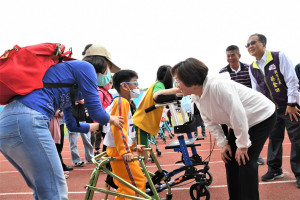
48, 100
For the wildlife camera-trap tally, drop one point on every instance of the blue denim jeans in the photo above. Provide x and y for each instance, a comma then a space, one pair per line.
26, 142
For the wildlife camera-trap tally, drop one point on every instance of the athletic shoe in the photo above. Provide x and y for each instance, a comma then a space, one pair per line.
80, 164
298, 182
260, 161
67, 168
270, 176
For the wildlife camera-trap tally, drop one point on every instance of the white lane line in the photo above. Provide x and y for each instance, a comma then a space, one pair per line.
151, 166
214, 186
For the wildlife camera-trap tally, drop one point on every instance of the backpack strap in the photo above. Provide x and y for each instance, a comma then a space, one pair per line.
102, 94
72, 95
58, 85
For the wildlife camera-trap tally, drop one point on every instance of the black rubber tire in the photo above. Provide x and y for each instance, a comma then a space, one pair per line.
198, 191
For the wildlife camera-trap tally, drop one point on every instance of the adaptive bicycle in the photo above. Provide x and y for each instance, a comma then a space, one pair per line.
162, 180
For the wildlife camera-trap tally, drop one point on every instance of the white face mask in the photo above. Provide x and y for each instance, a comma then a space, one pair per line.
135, 93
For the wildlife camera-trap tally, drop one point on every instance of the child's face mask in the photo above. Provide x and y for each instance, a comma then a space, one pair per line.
135, 93
107, 86
104, 79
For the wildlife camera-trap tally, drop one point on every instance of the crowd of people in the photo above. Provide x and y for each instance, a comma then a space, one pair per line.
242, 107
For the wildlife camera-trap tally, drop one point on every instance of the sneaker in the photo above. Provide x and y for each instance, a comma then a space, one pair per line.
80, 164
270, 176
67, 168
260, 161
298, 182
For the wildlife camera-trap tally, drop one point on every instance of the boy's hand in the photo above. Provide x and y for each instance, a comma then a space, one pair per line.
128, 157
140, 148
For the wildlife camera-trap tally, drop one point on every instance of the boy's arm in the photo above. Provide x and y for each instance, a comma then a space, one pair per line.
120, 108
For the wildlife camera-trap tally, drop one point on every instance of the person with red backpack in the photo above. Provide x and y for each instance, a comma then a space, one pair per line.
25, 138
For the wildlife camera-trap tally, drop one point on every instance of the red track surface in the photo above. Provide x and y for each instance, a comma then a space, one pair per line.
12, 185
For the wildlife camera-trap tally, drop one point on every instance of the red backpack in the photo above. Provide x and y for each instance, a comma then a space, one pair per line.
23, 68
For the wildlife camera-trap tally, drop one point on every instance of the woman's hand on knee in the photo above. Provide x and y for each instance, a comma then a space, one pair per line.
226, 153
241, 155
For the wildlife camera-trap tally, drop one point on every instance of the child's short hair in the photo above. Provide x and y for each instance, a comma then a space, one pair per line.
123, 76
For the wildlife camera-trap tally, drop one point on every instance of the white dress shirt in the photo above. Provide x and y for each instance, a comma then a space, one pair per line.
288, 72
224, 101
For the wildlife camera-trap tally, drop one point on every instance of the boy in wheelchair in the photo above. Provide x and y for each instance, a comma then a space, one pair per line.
120, 141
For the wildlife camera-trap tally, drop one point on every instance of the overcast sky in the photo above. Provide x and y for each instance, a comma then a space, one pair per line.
142, 35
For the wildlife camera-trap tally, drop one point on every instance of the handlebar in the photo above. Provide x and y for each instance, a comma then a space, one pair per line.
163, 100
150, 109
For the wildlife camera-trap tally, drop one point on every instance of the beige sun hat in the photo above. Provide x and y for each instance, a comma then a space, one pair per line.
99, 50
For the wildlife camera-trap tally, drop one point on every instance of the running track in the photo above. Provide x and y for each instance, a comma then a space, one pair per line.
13, 187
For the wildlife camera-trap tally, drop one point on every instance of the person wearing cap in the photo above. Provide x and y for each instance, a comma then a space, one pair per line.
26, 141
100, 53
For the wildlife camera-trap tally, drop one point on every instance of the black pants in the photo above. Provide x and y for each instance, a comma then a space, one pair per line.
60, 146
242, 180
96, 140
275, 142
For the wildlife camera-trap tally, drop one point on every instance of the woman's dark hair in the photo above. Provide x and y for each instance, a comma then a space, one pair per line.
190, 72
99, 62
164, 75
123, 76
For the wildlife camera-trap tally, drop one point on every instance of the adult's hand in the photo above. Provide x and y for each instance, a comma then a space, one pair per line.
241, 155
293, 112
117, 121
224, 154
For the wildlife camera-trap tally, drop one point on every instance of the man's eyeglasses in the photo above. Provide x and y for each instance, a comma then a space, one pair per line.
135, 83
251, 43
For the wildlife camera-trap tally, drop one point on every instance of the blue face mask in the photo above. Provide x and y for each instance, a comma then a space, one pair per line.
104, 79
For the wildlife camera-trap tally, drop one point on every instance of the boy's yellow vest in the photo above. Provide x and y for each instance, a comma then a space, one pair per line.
148, 122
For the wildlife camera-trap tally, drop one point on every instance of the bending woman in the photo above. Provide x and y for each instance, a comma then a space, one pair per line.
25, 139
249, 113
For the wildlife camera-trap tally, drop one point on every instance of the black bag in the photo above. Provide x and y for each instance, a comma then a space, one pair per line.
79, 113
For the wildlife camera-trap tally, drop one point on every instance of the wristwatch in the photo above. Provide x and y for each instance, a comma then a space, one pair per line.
292, 104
